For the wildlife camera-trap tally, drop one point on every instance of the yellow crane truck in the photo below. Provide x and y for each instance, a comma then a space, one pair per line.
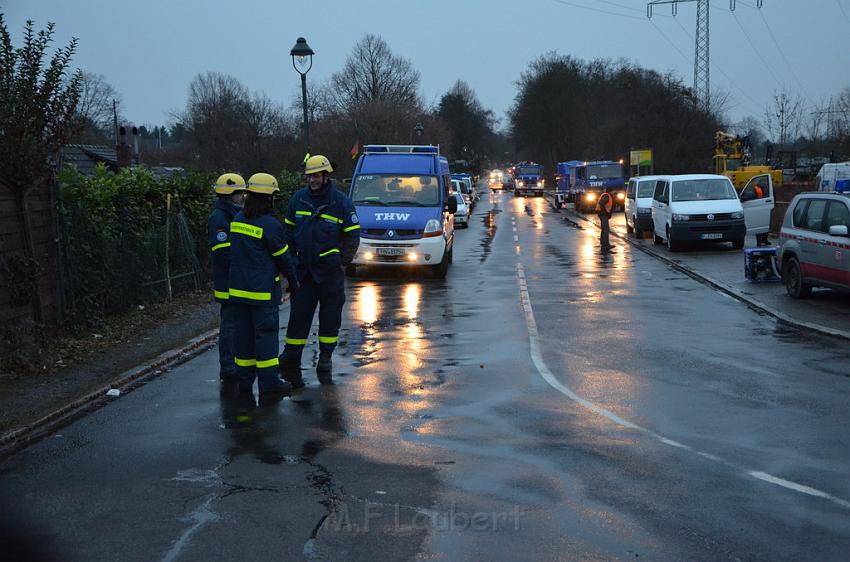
732, 159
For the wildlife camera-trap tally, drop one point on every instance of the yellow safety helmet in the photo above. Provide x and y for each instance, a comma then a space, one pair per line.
263, 183
226, 184
317, 163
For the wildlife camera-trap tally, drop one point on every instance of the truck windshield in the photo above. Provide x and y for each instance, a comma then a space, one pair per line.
529, 170
703, 190
604, 171
390, 190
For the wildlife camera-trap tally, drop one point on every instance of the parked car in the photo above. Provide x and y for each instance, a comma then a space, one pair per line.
697, 207
814, 249
459, 186
638, 207
462, 213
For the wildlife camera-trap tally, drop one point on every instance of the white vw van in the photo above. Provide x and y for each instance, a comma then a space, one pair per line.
697, 207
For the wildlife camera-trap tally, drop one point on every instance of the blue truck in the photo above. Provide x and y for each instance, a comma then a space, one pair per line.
528, 179
582, 183
404, 203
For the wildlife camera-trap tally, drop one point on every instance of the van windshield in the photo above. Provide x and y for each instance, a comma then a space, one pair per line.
703, 190
391, 190
646, 188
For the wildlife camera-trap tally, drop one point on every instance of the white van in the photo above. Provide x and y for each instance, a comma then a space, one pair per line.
638, 208
697, 207
829, 174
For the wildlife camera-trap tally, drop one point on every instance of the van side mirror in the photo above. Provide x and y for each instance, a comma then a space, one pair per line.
838, 230
451, 204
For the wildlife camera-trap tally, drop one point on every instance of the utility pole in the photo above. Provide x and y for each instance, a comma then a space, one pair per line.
701, 47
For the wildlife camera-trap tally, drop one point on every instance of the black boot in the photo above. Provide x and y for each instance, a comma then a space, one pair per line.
290, 371
324, 368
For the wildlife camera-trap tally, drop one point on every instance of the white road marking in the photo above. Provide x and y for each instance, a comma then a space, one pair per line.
546, 374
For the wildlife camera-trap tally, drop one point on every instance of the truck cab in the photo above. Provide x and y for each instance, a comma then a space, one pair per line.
528, 179
404, 202
592, 178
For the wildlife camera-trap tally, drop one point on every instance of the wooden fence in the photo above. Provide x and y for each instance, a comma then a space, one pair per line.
30, 291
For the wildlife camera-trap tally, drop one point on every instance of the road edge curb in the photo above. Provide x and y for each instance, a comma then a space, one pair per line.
16, 439
722, 287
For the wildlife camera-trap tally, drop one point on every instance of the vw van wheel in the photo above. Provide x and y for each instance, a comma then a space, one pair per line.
671, 245
738, 244
629, 228
657, 240
793, 277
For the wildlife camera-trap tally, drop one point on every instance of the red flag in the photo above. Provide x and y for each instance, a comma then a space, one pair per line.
355, 149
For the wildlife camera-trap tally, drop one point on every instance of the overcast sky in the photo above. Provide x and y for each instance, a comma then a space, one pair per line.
149, 50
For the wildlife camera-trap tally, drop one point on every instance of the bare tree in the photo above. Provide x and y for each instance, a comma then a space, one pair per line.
372, 73
471, 125
95, 110
783, 116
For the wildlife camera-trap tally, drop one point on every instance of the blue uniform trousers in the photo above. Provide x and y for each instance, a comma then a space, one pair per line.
227, 340
257, 346
329, 295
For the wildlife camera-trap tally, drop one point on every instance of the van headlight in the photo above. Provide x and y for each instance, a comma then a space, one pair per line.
519, 183
432, 228
681, 218
737, 215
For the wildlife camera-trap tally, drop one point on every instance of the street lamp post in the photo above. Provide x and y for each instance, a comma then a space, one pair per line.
302, 62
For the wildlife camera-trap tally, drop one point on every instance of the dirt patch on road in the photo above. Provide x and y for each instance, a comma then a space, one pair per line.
48, 369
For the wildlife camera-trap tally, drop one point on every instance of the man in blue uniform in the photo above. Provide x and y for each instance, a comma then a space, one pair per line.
259, 255
230, 189
323, 231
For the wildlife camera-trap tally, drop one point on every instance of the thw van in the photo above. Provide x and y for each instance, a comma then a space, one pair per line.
403, 198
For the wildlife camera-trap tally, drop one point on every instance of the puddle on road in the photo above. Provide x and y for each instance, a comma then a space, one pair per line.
489, 222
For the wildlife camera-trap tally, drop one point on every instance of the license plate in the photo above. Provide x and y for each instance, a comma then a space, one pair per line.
389, 251
711, 236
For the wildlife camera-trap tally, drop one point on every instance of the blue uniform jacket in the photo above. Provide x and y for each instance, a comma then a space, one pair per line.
259, 255
218, 240
323, 230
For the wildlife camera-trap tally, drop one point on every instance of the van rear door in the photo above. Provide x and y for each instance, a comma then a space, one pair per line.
757, 200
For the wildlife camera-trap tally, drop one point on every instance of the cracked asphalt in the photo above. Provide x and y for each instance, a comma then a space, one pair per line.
541, 403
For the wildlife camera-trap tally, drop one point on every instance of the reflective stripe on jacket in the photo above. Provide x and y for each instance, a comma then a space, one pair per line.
259, 255
323, 230
218, 241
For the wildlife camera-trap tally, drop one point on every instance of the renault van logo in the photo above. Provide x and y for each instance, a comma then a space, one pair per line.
391, 233
710, 217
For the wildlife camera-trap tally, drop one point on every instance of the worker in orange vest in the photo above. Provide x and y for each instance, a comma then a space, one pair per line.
604, 206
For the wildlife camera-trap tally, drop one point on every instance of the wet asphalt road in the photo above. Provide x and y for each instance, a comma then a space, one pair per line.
543, 402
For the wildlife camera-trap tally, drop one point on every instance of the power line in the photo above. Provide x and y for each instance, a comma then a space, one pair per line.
750, 41
621, 6
701, 44
597, 10
672, 44
721, 71
784, 58
843, 11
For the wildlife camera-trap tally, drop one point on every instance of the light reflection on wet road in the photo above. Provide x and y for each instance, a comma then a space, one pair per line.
439, 415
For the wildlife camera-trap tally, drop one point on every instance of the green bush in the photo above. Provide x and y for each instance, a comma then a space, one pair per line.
113, 235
